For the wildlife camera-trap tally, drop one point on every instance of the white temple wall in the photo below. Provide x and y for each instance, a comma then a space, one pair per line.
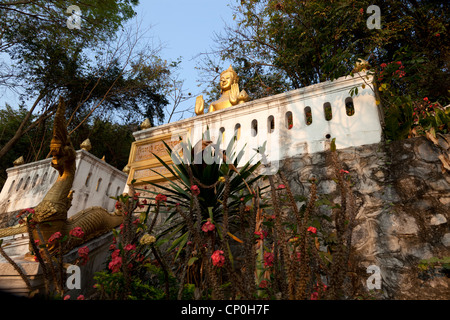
95, 181
266, 120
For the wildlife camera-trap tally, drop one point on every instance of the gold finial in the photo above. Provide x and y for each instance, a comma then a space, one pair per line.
146, 124
19, 161
103, 159
126, 169
86, 145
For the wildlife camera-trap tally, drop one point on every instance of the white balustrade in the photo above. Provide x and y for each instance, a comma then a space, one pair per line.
283, 121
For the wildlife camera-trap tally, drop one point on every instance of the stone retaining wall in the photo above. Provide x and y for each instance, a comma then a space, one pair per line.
403, 209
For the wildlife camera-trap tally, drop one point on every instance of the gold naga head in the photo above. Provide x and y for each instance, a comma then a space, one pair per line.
60, 140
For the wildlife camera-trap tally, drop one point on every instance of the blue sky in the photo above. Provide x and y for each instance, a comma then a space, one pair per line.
185, 28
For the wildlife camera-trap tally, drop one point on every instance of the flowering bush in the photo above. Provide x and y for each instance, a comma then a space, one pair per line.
407, 113
208, 226
283, 250
77, 232
218, 259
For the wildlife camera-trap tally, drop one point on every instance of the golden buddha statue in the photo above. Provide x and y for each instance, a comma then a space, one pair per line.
230, 95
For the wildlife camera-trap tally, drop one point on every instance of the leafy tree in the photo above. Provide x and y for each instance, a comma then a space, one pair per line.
289, 44
108, 139
51, 60
10, 119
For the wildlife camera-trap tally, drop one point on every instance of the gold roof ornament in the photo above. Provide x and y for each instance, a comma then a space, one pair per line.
51, 212
103, 159
126, 169
230, 94
146, 124
19, 161
86, 145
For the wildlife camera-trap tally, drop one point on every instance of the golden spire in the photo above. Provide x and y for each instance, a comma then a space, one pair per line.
19, 161
146, 124
86, 145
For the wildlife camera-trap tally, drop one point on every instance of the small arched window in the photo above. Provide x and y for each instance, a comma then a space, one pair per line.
44, 178
237, 131
289, 120
327, 111
308, 116
107, 189
270, 124
36, 177
12, 185
98, 184
19, 184
222, 134
349, 107
88, 178
254, 128
26, 183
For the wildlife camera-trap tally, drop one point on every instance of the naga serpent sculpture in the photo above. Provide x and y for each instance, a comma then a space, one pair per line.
51, 212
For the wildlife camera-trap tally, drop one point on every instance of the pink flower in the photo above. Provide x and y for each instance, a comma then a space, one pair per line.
218, 259
130, 247
437, 34
77, 232
115, 254
83, 253
67, 297
281, 186
115, 264
383, 65
161, 198
268, 259
55, 236
314, 296
112, 247
208, 226
344, 171
137, 221
80, 297
263, 284
312, 229
261, 234
361, 11
195, 190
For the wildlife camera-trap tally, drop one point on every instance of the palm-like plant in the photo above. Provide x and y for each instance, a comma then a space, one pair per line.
221, 188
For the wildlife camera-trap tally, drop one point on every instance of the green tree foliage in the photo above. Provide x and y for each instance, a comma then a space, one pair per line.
279, 45
108, 139
10, 119
100, 69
